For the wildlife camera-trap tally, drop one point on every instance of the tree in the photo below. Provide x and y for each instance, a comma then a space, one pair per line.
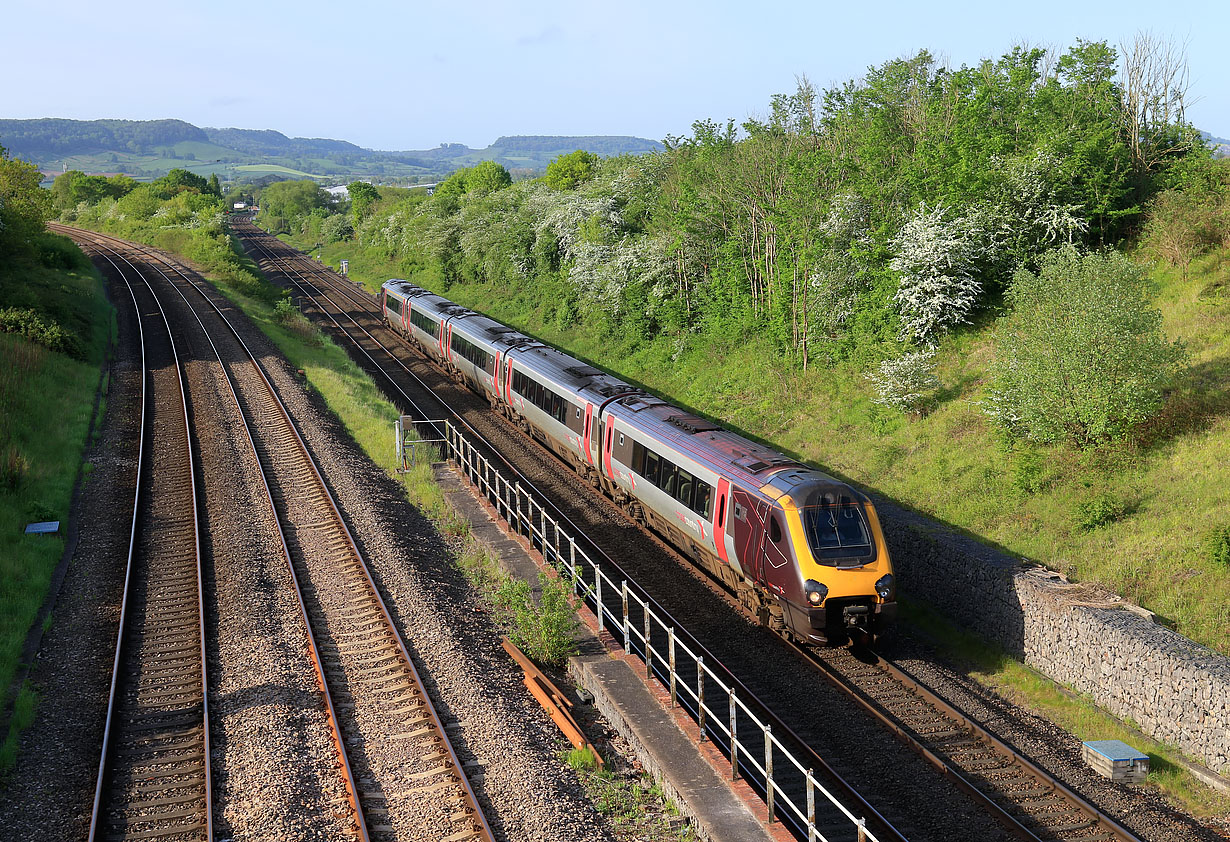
214, 186
24, 205
487, 177
290, 201
936, 253
363, 198
179, 180
568, 171
1081, 357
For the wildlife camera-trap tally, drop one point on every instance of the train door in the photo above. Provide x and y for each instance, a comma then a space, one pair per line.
776, 555
496, 381
587, 441
719, 518
747, 520
608, 432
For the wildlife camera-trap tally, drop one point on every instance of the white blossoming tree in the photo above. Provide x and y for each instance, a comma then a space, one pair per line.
936, 255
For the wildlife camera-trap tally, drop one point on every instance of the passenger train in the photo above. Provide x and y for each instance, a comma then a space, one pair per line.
803, 552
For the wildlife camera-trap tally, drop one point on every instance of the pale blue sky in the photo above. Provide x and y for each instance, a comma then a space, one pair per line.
411, 75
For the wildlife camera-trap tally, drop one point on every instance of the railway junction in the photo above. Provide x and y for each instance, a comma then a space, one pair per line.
344, 686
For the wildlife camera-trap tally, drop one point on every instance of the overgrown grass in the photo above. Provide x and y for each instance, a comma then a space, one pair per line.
46, 402
634, 804
1073, 712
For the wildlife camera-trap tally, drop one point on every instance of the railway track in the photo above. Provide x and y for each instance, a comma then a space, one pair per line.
369, 684
1024, 799
154, 772
1032, 804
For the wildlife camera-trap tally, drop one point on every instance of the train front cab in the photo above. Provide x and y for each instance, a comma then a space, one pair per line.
846, 590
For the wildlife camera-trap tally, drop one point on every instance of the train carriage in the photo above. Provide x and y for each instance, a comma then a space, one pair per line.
802, 551
559, 400
773, 530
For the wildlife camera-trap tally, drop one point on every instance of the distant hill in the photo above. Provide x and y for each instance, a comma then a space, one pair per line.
1221, 146
149, 148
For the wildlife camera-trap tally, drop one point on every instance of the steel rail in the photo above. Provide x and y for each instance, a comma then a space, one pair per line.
349, 778
483, 829
106, 767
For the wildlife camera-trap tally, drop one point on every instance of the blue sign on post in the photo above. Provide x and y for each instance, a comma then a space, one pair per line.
47, 527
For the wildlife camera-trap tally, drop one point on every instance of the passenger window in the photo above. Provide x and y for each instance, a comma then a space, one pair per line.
684, 493
703, 496
669, 477
651, 467
775, 530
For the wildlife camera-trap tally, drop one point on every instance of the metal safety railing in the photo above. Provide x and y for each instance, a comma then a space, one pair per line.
791, 791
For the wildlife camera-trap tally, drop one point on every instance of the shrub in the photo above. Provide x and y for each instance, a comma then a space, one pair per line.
36, 328
1029, 472
543, 629
1081, 357
936, 256
1099, 511
1217, 546
337, 228
906, 383
284, 312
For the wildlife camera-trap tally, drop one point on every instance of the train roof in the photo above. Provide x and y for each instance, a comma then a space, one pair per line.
723, 451
486, 332
403, 288
580, 379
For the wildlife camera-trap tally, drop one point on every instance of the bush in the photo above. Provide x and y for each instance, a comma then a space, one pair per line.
906, 383
543, 629
1081, 357
1217, 546
284, 312
34, 327
337, 228
1099, 511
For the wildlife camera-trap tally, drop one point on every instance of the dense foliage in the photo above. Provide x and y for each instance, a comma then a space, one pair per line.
854, 223
181, 212
1081, 357
23, 206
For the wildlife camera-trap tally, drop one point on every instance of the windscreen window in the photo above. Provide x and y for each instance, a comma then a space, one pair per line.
838, 534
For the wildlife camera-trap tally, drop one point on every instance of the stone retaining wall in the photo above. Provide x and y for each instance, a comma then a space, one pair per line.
1175, 690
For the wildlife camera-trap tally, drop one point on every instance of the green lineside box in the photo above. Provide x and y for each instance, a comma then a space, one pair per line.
1116, 760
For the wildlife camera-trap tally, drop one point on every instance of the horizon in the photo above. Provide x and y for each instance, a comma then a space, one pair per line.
389, 79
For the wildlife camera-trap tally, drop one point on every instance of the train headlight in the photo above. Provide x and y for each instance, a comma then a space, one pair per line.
816, 591
885, 586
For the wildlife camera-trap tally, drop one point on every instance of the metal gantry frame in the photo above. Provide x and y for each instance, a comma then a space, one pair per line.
698, 695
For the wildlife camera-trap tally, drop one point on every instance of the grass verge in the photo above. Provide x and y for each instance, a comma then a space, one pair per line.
46, 405
632, 802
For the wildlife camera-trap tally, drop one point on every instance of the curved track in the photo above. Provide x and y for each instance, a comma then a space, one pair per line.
369, 684
1027, 801
154, 772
